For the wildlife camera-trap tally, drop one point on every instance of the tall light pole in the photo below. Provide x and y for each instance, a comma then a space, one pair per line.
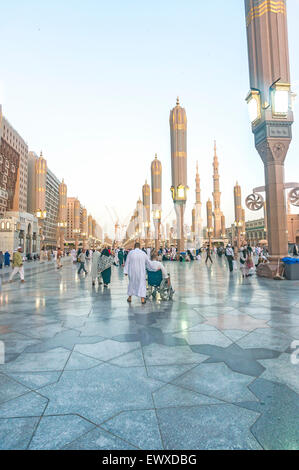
238, 213
77, 228
62, 217
270, 106
156, 172
210, 228
178, 135
198, 220
146, 194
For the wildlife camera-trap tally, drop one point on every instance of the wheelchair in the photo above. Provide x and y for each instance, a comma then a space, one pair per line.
156, 285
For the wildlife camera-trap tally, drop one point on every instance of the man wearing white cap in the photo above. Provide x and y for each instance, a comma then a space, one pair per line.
230, 255
17, 263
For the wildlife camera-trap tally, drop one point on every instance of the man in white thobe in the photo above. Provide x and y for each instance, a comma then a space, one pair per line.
135, 267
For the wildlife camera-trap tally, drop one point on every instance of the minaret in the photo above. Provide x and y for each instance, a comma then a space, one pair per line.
156, 172
198, 205
178, 135
146, 194
216, 196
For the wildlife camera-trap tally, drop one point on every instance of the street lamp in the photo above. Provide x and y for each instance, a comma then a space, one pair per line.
41, 216
254, 106
209, 232
271, 114
280, 98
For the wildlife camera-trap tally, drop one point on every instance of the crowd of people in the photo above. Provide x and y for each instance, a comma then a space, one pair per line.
140, 260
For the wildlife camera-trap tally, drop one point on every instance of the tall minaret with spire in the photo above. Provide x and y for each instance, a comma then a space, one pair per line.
198, 205
216, 195
179, 188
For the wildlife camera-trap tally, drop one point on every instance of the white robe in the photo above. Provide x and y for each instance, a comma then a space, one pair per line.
158, 266
135, 267
74, 255
94, 265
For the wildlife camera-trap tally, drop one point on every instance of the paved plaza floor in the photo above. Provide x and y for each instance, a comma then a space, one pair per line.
210, 370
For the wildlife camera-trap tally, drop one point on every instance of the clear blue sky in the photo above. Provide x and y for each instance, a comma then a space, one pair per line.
92, 83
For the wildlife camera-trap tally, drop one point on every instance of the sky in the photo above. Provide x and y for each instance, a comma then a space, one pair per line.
92, 83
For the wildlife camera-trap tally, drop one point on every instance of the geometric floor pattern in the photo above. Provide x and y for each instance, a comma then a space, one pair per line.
210, 370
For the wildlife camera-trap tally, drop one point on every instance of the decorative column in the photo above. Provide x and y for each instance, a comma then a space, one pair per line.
178, 135
198, 205
216, 196
62, 217
210, 229
77, 228
89, 222
146, 194
139, 219
40, 194
156, 172
238, 214
270, 109
84, 228
193, 226
223, 227
94, 224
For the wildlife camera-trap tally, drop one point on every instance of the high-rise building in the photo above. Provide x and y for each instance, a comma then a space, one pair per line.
43, 197
13, 168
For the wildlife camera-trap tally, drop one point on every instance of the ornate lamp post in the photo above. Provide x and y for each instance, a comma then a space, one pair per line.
84, 227
270, 108
156, 172
210, 229
139, 219
178, 134
41, 216
77, 229
198, 220
193, 227
146, 193
62, 217
238, 213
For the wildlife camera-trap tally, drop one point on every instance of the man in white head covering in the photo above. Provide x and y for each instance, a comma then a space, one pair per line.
230, 255
136, 265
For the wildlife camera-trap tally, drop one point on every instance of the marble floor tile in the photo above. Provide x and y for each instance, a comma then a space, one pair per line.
210, 370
